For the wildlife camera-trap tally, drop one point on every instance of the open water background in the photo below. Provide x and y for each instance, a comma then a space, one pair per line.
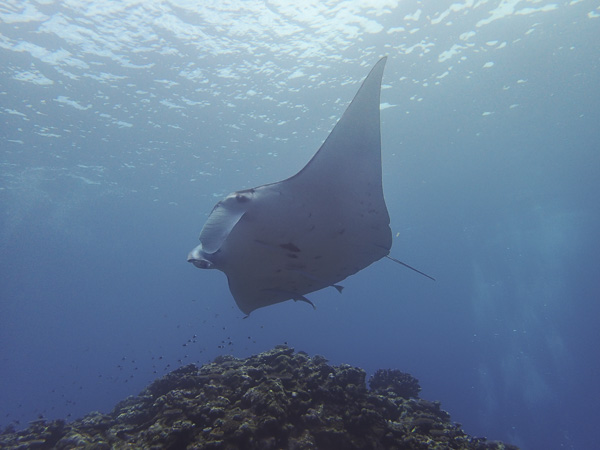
124, 122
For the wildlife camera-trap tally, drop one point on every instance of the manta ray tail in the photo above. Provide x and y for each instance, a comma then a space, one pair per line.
410, 267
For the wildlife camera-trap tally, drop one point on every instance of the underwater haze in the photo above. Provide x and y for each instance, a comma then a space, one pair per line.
124, 122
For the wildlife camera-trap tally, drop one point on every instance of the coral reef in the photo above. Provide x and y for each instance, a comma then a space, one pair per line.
399, 383
274, 400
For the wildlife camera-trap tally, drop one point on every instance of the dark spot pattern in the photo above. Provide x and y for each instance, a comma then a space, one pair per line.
290, 247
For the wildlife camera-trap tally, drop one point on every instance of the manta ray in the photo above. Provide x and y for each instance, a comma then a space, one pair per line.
283, 240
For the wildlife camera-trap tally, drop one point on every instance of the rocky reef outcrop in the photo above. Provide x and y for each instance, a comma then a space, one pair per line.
279, 399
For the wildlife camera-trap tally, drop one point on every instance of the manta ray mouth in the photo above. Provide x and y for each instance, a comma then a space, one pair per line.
198, 258
200, 263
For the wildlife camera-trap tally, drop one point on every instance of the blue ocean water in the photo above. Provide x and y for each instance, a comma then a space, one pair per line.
124, 122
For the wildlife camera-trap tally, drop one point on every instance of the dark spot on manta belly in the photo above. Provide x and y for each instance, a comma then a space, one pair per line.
292, 255
289, 246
